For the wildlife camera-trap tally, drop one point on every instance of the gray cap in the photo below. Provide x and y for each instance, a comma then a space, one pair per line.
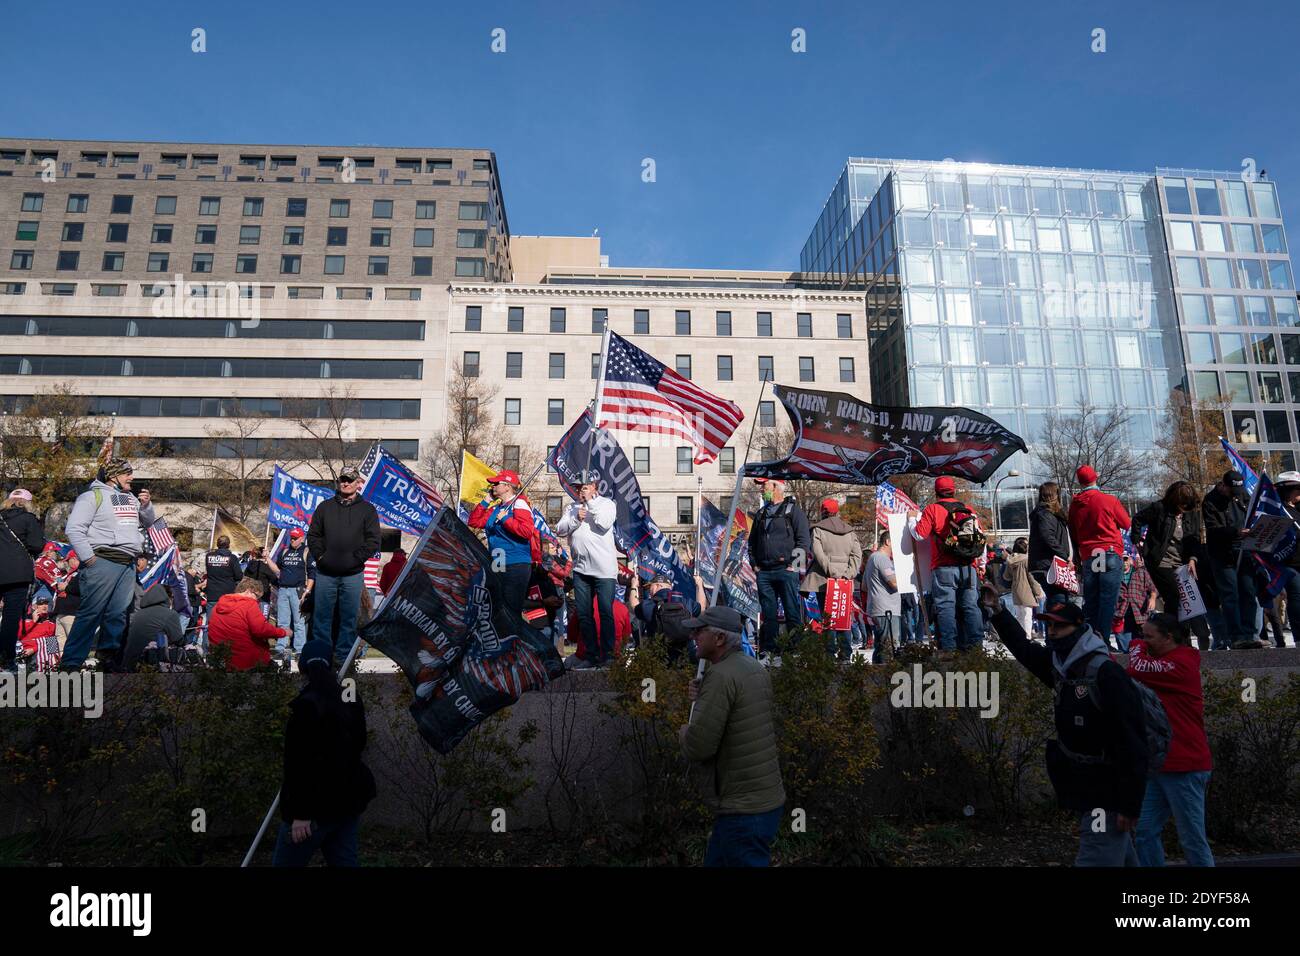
723, 618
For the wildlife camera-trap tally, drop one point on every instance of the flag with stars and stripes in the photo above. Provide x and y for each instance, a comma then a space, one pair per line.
891, 501
844, 439
640, 394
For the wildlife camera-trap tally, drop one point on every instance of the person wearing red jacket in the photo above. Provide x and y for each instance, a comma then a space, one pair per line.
1165, 661
388, 577
237, 620
512, 538
1097, 525
954, 586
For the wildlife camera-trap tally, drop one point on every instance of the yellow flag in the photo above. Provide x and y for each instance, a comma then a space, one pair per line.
241, 539
473, 479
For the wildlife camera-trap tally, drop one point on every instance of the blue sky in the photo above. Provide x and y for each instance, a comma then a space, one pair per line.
747, 136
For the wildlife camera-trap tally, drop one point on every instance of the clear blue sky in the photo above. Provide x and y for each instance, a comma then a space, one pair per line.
747, 136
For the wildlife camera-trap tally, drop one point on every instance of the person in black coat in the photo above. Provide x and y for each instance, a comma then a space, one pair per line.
1049, 535
222, 572
326, 786
1098, 761
1224, 512
1172, 540
342, 537
21, 542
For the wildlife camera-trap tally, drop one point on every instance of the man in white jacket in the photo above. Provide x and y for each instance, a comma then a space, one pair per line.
589, 524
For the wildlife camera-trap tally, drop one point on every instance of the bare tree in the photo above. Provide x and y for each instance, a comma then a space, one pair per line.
469, 426
1096, 438
234, 461
326, 424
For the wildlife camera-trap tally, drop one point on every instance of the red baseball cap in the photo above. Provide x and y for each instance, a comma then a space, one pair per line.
1086, 474
830, 506
296, 533
944, 484
506, 476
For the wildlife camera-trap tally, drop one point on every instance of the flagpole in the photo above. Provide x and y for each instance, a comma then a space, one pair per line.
600, 389
735, 495
212, 538
699, 537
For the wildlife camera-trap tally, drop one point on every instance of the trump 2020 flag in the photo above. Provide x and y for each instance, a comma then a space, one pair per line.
445, 625
293, 501
1272, 538
840, 438
403, 499
1248, 477
162, 571
639, 393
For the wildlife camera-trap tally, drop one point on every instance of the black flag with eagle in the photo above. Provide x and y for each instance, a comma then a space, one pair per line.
843, 439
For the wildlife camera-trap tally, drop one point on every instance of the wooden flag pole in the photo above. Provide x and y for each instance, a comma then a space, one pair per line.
735, 497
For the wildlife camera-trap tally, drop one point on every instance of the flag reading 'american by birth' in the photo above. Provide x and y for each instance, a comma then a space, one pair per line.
841, 438
641, 394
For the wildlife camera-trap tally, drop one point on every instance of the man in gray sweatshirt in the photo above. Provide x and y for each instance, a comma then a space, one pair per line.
104, 529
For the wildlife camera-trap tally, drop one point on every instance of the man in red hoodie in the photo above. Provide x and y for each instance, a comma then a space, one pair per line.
1166, 662
954, 587
237, 620
1097, 525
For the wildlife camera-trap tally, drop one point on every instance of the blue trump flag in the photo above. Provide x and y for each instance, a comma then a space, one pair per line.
635, 532
293, 501
162, 571
1272, 540
446, 627
403, 500
1248, 477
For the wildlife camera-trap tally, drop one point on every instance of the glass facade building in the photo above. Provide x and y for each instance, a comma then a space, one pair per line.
1020, 290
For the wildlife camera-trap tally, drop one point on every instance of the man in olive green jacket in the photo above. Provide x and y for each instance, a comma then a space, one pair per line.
731, 729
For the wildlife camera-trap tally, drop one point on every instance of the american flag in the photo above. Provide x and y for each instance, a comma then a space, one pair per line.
371, 577
160, 539
891, 501
641, 394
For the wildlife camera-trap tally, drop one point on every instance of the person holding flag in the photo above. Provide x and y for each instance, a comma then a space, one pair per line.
507, 520
295, 575
589, 524
1223, 512
1280, 572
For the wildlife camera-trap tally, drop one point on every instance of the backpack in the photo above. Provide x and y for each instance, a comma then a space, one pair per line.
1155, 720
669, 617
964, 540
784, 512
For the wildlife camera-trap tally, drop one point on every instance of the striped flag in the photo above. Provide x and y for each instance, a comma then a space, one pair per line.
160, 536
641, 394
47, 653
371, 577
162, 571
891, 501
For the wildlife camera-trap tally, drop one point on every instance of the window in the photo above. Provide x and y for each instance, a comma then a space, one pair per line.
513, 406
208, 205
683, 366
334, 265
514, 365
157, 262
685, 509
844, 326
724, 368
290, 265
767, 414
510, 457
68, 261
162, 233
641, 460
336, 236
113, 261
80, 202
470, 267
33, 202
205, 235
422, 266
683, 322
595, 366
685, 459
422, 238
473, 318
246, 264
469, 365
640, 321
426, 209
727, 461
804, 321
806, 369
383, 209
202, 262
846, 370
295, 207
252, 206
381, 238
558, 320
724, 323
765, 323
765, 370
377, 266
117, 231
473, 211
515, 319
555, 411
292, 236
27, 231
556, 367
471, 239
250, 235
74, 231
21, 259
599, 319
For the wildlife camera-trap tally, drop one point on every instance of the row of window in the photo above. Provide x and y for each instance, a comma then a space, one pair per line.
471, 365
1194, 272
1246, 387
1237, 348
123, 204
274, 448
1235, 199
201, 328
1239, 310
514, 411
682, 322
380, 236
217, 290
171, 406
203, 263
253, 160
359, 180
165, 366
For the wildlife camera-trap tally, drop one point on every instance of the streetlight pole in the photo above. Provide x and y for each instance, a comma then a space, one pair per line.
1011, 474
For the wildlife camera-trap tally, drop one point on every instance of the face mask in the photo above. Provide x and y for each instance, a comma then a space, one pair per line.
767, 495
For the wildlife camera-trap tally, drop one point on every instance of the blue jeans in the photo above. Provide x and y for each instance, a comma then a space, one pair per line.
1101, 591
336, 841
106, 593
914, 631
956, 608
773, 585
743, 839
1242, 615
1183, 795
885, 629
288, 615
587, 587
1293, 608
1110, 847
346, 593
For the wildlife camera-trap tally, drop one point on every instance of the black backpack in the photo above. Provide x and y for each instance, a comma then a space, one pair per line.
1155, 719
669, 617
963, 540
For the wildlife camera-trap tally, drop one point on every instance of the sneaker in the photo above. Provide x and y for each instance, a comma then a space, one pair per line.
577, 663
